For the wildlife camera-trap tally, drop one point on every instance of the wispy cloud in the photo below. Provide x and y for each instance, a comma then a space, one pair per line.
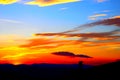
89, 37
110, 21
106, 11
95, 16
8, 1
49, 2
99, 1
10, 21
64, 8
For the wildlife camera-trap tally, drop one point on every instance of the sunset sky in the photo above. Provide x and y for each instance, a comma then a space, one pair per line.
31, 31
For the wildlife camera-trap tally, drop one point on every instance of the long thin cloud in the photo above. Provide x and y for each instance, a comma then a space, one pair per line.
10, 21
84, 36
95, 16
8, 1
111, 21
70, 54
80, 34
43, 3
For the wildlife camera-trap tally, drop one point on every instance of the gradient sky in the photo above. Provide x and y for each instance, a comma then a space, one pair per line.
20, 19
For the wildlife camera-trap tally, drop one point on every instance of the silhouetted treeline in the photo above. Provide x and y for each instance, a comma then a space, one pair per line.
57, 71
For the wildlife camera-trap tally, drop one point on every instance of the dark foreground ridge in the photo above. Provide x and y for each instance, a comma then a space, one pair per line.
79, 71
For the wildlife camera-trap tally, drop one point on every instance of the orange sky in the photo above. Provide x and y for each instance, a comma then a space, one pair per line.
17, 49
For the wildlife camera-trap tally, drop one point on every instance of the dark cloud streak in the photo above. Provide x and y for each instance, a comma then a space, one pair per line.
115, 34
70, 54
111, 21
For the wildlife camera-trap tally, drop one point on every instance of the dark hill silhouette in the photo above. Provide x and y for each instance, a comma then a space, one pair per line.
39, 71
110, 71
60, 71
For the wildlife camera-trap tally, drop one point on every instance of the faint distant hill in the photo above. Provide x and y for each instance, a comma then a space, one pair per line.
42, 65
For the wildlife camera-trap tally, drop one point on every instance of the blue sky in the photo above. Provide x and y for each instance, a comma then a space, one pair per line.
25, 19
